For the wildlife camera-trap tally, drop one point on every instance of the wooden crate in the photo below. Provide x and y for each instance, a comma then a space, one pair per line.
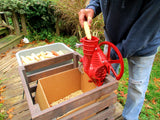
78, 108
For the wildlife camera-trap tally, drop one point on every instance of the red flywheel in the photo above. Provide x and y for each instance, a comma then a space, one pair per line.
119, 61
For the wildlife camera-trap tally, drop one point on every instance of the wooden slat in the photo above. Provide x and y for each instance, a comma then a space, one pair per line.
7, 44
118, 111
48, 62
24, 78
78, 55
75, 61
3, 30
33, 108
64, 107
45, 73
91, 109
105, 114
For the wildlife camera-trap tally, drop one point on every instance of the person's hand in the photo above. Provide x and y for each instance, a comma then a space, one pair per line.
86, 15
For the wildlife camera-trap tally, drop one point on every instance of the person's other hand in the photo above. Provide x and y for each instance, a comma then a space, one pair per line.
86, 15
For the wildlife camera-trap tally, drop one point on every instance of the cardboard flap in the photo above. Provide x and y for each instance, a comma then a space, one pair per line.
40, 97
85, 85
59, 85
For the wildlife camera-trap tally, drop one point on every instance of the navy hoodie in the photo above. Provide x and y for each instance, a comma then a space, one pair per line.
130, 24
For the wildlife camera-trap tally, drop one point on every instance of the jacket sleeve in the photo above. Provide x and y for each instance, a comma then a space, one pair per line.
95, 5
140, 35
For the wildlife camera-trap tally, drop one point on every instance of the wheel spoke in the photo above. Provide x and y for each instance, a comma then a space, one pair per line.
109, 52
114, 61
114, 73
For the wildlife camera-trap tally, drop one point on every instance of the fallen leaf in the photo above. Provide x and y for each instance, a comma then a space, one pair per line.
158, 115
1, 101
4, 86
3, 55
116, 92
13, 56
7, 51
14, 52
2, 89
147, 91
1, 98
10, 116
123, 82
68, 45
10, 110
156, 79
20, 45
147, 106
158, 90
33, 42
52, 42
47, 41
122, 94
153, 101
158, 86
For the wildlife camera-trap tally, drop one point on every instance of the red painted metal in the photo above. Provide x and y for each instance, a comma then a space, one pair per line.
96, 64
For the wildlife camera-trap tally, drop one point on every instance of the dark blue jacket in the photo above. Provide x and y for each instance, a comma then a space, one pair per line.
131, 25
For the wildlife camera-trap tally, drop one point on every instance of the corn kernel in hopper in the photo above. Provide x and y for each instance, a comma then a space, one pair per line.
72, 95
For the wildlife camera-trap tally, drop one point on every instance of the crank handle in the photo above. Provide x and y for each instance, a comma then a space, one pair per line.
78, 45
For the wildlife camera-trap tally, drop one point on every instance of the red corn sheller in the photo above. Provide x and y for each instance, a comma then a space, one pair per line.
96, 64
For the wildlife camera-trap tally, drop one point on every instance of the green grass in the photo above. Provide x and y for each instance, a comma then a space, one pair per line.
151, 107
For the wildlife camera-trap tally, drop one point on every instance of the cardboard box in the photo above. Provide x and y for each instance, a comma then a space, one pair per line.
58, 86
